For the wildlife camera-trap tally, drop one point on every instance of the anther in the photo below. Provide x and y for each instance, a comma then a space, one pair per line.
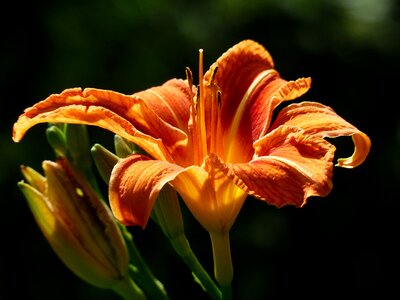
189, 77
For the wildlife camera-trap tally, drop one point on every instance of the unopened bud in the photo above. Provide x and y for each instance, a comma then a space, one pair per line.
78, 225
104, 160
56, 138
124, 148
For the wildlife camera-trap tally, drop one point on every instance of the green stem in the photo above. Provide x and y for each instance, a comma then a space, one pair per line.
140, 272
182, 247
167, 214
129, 290
226, 292
223, 268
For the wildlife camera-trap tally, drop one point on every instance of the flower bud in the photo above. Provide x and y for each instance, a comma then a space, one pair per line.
104, 160
167, 214
124, 148
56, 138
78, 225
77, 139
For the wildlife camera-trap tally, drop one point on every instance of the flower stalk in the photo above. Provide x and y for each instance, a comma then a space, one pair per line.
140, 272
129, 290
223, 268
167, 214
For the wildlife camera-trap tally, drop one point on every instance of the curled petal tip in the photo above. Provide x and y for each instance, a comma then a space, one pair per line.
362, 145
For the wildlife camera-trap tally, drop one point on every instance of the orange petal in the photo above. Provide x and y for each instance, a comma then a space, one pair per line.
127, 116
362, 145
257, 111
251, 89
171, 102
136, 182
290, 168
320, 120
134, 186
237, 69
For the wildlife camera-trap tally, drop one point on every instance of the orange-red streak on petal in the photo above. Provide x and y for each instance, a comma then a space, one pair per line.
250, 90
237, 69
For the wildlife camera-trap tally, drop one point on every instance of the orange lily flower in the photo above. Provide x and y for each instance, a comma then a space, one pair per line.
215, 143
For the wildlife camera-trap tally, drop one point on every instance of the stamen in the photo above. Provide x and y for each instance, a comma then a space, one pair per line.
219, 95
192, 126
214, 112
218, 134
213, 72
189, 77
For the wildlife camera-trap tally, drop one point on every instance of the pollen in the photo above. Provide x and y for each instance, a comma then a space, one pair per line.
79, 192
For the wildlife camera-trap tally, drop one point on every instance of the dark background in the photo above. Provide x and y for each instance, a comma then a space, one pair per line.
343, 245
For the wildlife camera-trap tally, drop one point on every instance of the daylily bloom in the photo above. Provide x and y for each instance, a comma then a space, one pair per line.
215, 143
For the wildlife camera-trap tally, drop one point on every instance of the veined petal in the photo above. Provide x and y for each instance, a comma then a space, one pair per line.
320, 120
127, 116
267, 98
290, 168
134, 186
256, 109
250, 90
237, 69
171, 102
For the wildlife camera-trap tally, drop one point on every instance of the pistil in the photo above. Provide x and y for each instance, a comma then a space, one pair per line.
193, 130
201, 115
